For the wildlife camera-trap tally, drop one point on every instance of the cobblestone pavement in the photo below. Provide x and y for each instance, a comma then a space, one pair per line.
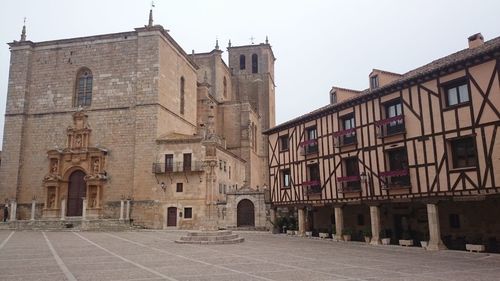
152, 255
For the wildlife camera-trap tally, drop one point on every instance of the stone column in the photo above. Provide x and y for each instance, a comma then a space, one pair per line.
127, 211
63, 209
272, 218
375, 221
84, 209
339, 222
33, 210
435, 242
13, 210
121, 209
302, 221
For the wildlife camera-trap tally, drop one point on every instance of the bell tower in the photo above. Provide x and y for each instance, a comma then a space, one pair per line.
252, 68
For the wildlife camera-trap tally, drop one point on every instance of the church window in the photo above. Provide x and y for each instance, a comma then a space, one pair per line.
84, 88
182, 96
255, 61
224, 82
242, 62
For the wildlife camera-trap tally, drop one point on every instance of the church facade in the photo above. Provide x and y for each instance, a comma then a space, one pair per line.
128, 125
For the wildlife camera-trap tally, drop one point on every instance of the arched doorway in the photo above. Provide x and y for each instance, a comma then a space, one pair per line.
246, 213
172, 216
76, 192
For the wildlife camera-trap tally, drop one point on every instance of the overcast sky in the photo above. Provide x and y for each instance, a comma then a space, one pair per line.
318, 44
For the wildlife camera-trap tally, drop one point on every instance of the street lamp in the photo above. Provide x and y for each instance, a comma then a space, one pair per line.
163, 186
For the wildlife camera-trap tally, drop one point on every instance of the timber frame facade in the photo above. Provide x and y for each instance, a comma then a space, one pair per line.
428, 135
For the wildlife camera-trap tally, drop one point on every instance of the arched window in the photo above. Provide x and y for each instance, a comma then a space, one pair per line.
182, 95
242, 62
255, 61
224, 82
83, 89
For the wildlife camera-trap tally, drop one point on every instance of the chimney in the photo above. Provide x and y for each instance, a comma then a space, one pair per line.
476, 40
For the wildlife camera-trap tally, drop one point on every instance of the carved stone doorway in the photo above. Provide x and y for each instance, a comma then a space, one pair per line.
246, 213
76, 192
172, 216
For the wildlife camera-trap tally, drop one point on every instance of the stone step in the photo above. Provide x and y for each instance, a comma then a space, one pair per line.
219, 242
210, 237
73, 224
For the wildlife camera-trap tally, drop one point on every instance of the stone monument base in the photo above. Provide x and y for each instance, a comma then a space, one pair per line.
210, 237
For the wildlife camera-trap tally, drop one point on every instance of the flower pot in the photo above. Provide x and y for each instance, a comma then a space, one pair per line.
309, 234
323, 235
405, 242
290, 232
386, 241
347, 237
337, 237
424, 244
475, 248
368, 239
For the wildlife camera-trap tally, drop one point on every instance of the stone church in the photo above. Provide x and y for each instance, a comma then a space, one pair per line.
130, 126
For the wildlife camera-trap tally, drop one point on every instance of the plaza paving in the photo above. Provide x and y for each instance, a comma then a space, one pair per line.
153, 255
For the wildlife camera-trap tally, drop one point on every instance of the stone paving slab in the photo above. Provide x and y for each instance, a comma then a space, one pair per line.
153, 255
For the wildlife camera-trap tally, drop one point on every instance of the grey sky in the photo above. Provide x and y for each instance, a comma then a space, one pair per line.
318, 44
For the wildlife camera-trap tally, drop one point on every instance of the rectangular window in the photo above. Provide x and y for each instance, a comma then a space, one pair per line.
464, 152
311, 145
286, 180
392, 110
398, 167
180, 187
283, 143
169, 162
188, 213
313, 182
457, 92
352, 170
373, 82
348, 123
187, 162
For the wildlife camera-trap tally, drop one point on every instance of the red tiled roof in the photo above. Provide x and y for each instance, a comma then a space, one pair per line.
489, 48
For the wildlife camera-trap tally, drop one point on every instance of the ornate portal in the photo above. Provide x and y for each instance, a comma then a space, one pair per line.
65, 188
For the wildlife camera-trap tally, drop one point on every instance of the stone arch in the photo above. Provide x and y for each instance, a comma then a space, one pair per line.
245, 213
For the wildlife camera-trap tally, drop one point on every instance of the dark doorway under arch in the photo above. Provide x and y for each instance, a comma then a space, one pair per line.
77, 190
245, 213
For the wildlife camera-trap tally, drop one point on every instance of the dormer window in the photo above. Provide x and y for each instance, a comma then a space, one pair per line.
333, 97
374, 82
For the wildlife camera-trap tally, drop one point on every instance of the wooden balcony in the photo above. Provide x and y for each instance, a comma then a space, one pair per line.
309, 147
345, 137
391, 126
349, 184
313, 186
177, 167
396, 179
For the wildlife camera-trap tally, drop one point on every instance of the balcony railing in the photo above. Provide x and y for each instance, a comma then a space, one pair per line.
349, 184
309, 147
177, 167
391, 126
313, 186
345, 137
396, 179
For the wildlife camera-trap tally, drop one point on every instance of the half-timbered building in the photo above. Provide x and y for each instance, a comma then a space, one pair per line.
415, 155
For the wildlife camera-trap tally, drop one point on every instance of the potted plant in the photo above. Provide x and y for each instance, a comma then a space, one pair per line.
367, 233
424, 242
309, 233
475, 245
385, 237
323, 233
406, 239
346, 234
334, 234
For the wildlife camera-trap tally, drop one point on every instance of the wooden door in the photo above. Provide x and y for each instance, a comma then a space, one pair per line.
245, 213
172, 216
76, 192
